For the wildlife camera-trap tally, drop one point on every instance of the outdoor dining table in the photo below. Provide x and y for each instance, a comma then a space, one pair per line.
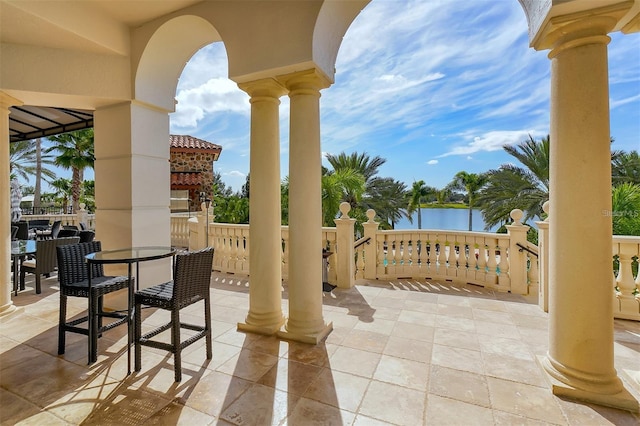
129, 256
20, 249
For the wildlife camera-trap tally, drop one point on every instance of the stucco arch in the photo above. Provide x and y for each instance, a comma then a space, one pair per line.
164, 56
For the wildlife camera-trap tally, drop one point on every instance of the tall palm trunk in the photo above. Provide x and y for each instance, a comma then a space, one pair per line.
38, 189
419, 217
470, 217
75, 189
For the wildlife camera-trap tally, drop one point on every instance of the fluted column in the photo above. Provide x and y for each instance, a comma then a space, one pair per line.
580, 357
265, 290
6, 305
305, 322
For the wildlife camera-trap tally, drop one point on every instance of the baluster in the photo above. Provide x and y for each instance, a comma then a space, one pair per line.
441, 262
432, 268
332, 274
504, 280
627, 306
405, 245
381, 267
452, 256
481, 272
492, 277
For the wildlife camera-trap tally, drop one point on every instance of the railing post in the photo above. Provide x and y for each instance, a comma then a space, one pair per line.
517, 257
344, 247
371, 249
82, 216
543, 260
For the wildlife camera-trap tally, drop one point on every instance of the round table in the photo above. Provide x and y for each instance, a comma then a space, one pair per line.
129, 256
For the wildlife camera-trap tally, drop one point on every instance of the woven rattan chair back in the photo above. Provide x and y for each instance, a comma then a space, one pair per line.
73, 277
45, 261
190, 284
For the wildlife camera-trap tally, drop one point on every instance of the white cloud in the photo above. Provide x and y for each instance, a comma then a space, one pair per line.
432, 162
235, 173
614, 104
490, 141
214, 96
469, 157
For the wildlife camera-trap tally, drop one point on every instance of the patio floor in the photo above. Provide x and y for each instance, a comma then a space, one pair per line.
401, 353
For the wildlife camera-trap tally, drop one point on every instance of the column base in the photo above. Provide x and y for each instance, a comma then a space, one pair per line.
9, 309
265, 329
313, 338
621, 399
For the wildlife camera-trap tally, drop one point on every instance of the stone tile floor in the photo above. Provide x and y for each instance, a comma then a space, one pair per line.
401, 353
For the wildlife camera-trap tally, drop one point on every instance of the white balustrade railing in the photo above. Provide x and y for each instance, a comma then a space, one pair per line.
626, 279
179, 231
65, 219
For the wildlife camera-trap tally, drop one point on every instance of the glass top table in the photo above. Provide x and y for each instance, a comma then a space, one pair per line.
130, 256
20, 249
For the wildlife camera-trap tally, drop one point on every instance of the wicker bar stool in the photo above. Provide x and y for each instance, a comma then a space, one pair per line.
74, 281
190, 284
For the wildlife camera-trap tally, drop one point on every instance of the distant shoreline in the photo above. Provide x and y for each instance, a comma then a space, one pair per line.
444, 206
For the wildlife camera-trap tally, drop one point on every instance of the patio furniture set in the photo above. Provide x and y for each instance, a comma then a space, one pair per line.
80, 272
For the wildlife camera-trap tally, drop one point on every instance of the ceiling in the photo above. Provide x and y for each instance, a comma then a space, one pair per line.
31, 122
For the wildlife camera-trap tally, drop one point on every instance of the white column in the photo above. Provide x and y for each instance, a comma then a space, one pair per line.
6, 305
265, 264
133, 184
580, 357
305, 322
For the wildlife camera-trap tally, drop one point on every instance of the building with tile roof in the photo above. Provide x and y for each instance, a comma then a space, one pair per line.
191, 162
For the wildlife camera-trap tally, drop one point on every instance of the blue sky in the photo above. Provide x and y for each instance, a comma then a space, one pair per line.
433, 87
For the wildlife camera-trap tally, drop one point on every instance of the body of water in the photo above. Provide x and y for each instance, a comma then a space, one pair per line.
454, 219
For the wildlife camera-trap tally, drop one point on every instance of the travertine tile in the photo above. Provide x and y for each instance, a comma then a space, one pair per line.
402, 372
248, 365
338, 389
456, 338
366, 340
524, 400
354, 361
415, 350
514, 369
459, 385
457, 358
394, 404
290, 376
214, 392
260, 405
445, 411
405, 330
309, 413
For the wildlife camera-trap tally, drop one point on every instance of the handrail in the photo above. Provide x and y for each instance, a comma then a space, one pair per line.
527, 249
361, 241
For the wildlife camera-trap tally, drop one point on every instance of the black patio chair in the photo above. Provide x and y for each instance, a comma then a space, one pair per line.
68, 233
45, 260
190, 284
14, 232
73, 277
86, 236
23, 230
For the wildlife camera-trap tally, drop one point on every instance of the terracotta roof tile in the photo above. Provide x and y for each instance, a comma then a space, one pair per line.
185, 178
189, 142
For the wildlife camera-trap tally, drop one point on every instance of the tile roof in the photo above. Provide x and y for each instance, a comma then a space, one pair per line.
187, 142
186, 178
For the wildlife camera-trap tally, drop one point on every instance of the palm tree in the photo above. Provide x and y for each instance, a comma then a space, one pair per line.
366, 166
511, 187
625, 167
23, 161
62, 190
76, 153
387, 197
471, 184
626, 209
419, 190
335, 185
